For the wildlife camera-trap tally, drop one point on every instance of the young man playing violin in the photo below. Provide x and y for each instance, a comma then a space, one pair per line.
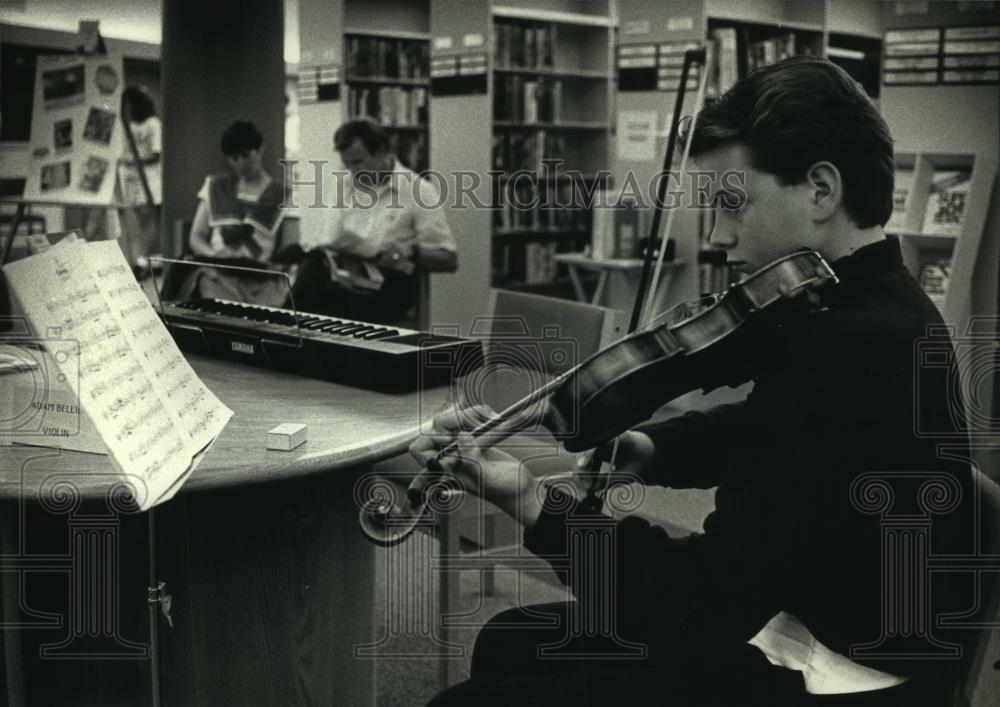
783, 599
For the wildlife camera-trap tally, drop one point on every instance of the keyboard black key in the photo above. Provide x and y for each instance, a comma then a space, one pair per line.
332, 328
338, 327
351, 329
381, 334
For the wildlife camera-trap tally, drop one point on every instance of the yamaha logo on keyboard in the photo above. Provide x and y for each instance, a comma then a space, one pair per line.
241, 347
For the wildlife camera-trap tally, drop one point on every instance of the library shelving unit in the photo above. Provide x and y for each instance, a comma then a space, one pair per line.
753, 34
387, 79
551, 123
943, 125
941, 204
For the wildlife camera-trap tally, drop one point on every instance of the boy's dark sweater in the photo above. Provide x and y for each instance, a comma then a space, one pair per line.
835, 398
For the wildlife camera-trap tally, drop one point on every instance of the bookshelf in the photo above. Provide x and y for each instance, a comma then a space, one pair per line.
387, 79
741, 47
943, 125
940, 206
551, 126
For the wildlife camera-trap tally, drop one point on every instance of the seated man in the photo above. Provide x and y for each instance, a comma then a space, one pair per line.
794, 594
236, 223
384, 215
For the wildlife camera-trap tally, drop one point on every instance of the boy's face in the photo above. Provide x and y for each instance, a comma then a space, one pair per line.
757, 220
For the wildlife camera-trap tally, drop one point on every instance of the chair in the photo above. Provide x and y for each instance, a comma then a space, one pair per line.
422, 307
419, 315
522, 329
980, 676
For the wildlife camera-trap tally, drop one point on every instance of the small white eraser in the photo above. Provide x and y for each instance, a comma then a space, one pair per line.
286, 437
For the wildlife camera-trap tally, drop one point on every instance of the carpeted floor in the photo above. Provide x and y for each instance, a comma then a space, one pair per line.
409, 663
408, 592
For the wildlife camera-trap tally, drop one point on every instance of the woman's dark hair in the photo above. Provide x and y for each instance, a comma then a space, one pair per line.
241, 136
800, 111
370, 133
140, 103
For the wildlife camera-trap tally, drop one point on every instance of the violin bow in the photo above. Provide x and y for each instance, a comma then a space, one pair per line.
646, 294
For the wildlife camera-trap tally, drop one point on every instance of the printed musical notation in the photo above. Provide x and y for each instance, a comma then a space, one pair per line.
150, 408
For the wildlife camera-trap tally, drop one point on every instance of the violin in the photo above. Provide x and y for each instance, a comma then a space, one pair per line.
627, 381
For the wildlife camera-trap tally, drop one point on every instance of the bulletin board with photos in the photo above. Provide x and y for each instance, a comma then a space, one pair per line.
76, 134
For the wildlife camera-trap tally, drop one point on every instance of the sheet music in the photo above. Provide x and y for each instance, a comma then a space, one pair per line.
149, 407
197, 412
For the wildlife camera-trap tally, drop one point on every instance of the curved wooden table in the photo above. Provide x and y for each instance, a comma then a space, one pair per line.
272, 582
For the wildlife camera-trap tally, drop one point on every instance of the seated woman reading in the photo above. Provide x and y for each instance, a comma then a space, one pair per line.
236, 223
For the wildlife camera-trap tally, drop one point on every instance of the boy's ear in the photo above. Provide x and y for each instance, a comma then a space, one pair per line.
826, 189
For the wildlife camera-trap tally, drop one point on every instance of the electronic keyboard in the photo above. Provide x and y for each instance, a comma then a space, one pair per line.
361, 354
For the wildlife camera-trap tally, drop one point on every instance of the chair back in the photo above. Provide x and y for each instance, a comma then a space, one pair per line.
530, 338
423, 300
980, 684
588, 326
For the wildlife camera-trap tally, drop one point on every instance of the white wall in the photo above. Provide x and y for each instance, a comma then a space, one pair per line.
137, 20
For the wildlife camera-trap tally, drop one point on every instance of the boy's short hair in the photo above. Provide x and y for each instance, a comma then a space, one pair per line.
371, 134
800, 111
240, 137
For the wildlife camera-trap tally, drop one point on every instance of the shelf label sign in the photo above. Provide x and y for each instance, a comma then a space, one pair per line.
680, 24
472, 64
634, 27
911, 7
444, 66
636, 135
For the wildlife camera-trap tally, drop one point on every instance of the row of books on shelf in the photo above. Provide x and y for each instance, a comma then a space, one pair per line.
515, 150
769, 51
527, 100
619, 230
531, 263
380, 57
947, 197
725, 64
522, 208
723, 67
390, 105
523, 45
